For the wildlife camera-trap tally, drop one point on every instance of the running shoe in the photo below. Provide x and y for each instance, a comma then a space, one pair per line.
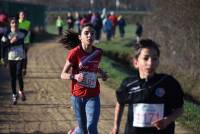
14, 99
22, 95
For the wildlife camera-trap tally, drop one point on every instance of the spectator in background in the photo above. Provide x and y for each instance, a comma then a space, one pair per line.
84, 20
97, 24
139, 31
113, 19
59, 25
121, 25
25, 27
107, 28
3, 32
77, 22
70, 21
89, 16
103, 14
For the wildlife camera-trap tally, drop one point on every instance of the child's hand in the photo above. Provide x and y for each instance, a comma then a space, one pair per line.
4, 39
104, 76
114, 131
14, 39
162, 123
79, 77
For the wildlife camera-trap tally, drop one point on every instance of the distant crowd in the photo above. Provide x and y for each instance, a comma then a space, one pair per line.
106, 22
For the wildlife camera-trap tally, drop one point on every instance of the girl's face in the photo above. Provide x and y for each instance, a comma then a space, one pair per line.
87, 36
147, 62
13, 24
21, 15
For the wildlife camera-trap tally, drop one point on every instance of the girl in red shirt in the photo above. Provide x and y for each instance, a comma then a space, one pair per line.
82, 67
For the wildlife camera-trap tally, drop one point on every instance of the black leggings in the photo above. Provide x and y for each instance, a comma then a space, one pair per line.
16, 73
25, 60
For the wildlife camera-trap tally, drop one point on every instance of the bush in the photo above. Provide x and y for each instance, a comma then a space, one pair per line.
175, 26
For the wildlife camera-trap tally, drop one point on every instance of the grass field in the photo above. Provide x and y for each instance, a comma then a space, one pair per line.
117, 49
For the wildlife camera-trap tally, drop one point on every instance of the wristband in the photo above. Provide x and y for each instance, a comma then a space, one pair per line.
71, 77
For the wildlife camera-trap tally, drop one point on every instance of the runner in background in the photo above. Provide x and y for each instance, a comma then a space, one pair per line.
59, 25
15, 40
3, 32
82, 68
24, 26
154, 100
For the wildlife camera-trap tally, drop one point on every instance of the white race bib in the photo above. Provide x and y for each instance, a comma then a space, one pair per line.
90, 79
145, 114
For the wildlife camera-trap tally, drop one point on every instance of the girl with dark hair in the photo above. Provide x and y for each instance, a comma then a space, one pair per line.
82, 68
15, 56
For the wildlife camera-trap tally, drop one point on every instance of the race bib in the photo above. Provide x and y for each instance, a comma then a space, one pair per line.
90, 79
145, 114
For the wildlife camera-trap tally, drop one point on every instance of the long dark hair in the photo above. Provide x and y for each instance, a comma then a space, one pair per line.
70, 38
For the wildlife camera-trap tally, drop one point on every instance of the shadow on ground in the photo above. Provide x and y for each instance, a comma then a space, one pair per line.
43, 36
4, 81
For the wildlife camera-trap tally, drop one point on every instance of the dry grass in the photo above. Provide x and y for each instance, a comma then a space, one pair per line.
175, 26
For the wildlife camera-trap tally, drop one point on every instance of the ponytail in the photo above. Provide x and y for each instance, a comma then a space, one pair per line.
70, 39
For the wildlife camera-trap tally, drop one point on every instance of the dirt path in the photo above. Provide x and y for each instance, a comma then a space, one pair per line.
47, 109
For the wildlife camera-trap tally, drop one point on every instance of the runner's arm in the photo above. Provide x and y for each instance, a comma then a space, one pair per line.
119, 109
102, 74
163, 123
65, 75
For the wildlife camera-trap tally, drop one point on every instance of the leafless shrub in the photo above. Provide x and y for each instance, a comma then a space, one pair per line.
175, 26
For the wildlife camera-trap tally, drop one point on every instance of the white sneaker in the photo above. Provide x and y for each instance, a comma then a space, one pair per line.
22, 95
14, 99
